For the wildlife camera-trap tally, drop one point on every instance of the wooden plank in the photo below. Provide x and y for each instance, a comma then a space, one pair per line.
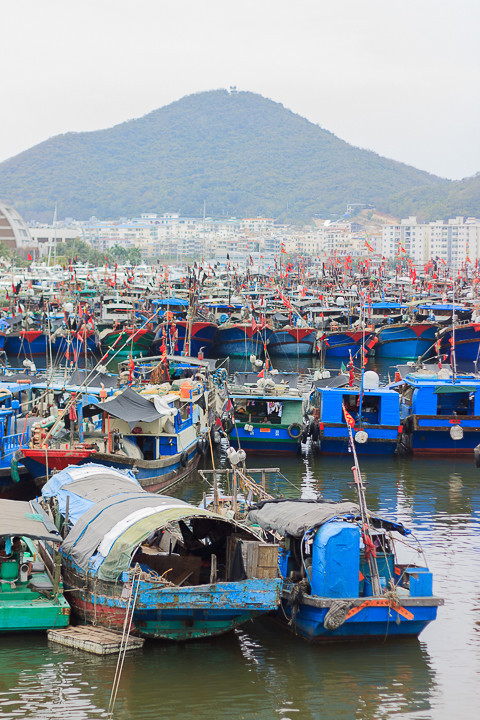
267, 555
93, 639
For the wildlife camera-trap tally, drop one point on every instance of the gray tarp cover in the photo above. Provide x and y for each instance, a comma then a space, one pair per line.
96, 488
130, 407
295, 518
88, 532
18, 518
337, 381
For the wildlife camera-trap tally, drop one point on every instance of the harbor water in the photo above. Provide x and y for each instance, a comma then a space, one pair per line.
263, 671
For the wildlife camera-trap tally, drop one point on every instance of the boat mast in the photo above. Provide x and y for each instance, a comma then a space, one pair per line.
453, 359
362, 501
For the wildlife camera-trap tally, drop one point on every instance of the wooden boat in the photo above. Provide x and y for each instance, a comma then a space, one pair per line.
31, 595
179, 571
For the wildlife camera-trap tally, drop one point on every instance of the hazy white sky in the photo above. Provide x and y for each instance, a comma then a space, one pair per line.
399, 78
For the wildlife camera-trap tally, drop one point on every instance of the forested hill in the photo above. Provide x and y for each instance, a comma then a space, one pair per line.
240, 153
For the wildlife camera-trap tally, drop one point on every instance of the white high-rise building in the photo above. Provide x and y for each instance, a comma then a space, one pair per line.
453, 241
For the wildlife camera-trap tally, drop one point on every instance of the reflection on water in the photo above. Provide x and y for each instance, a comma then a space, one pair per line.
264, 672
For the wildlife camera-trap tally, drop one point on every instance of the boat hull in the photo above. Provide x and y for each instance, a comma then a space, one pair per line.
405, 341
202, 338
377, 619
134, 343
170, 612
467, 342
292, 342
334, 440
153, 475
24, 610
272, 439
342, 344
240, 340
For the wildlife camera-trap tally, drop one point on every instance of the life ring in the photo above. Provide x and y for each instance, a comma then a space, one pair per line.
294, 431
228, 425
184, 458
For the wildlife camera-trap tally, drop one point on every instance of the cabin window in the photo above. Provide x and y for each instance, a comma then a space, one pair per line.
350, 402
456, 403
371, 409
258, 411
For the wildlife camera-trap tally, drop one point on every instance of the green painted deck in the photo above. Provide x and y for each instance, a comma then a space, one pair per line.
23, 608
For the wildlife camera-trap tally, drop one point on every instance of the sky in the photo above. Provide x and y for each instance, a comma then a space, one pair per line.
398, 78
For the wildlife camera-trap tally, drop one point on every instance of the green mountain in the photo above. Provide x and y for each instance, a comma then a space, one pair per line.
240, 153
459, 197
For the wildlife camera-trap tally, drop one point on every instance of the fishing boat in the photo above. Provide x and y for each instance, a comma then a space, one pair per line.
151, 434
409, 340
342, 582
439, 410
128, 340
373, 412
343, 575
344, 343
14, 431
31, 594
175, 571
240, 339
199, 335
465, 336
266, 413
291, 341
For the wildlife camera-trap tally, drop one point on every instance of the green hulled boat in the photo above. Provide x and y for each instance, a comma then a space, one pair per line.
30, 592
129, 341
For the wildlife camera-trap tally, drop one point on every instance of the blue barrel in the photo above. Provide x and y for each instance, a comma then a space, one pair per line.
336, 560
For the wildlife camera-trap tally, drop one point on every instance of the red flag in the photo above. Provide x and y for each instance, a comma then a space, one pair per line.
348, 418
29, 257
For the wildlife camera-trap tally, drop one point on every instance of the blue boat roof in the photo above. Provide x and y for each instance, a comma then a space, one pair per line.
466, 381
385, 306
448, 307
171, 301
222, 306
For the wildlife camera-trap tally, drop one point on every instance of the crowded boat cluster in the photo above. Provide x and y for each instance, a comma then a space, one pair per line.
134, 390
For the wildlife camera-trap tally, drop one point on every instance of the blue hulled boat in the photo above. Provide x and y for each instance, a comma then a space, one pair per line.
240, 339
405, 340
343, 343
156, 436
373, 412
440, 411
292, 342
343, 579
467, 341
177, 570
202, 336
